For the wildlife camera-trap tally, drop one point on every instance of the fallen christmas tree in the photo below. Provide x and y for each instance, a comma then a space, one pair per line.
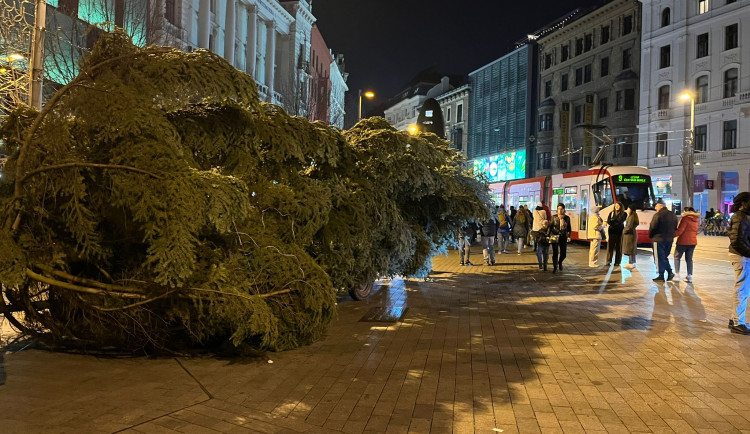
155, 204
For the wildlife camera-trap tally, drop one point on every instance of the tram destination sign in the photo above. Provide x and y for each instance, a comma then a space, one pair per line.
633, 179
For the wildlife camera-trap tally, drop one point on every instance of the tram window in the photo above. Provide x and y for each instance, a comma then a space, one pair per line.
603, 193
570, 202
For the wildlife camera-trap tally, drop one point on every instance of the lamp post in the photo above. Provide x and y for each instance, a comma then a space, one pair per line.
367, 94
37, 55
689, 152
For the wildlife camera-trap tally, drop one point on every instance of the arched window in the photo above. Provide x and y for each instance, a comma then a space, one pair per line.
666, 17
664, 97
701, 89
730, 82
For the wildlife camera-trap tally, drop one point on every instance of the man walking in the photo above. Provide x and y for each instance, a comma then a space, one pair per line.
489, 231
464, 242
661, 231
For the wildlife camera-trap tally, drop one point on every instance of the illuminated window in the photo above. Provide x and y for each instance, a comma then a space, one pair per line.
661, 144
702, 6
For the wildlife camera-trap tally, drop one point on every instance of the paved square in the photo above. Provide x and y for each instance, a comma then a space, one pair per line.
507, 348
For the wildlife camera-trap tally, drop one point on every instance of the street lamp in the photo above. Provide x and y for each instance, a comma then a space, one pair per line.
688, 165
367, 94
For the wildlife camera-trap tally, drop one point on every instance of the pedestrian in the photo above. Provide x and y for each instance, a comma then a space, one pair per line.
739, 255
615, 226
710, 213
539, 216
630, 236
541, 241
595, 236
513, 213
503, 230
465, 236
530, 224
687, 239
520, 228
489, 231
661, 232
559, 237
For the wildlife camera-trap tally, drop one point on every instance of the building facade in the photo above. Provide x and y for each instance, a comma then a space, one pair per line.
338, 91
589, 88
702, 47
320, 80
455, 106
269, 39
502, 116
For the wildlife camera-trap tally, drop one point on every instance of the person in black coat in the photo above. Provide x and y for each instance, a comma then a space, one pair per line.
615, 223
489, 232
560, 227
661, 232
739, 255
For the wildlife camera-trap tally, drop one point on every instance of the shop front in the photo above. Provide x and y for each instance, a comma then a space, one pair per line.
730, 187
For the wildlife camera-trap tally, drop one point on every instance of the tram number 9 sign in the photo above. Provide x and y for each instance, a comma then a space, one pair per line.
633, 179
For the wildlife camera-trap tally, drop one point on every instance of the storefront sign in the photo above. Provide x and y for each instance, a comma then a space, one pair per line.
699, 183
502, 167
557, 191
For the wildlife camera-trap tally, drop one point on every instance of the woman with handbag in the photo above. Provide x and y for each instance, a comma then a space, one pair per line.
559, 237
630, 237
541, 241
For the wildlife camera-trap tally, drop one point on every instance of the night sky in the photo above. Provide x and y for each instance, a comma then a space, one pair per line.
387, 42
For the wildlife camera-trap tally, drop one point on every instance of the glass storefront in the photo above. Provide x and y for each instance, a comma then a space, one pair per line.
730, 187
663, 188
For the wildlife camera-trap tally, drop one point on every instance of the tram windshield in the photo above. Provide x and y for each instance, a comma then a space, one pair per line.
634, 189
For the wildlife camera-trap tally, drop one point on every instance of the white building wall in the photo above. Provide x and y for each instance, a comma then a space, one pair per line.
728, 168
268, 39
456, 128
338, 94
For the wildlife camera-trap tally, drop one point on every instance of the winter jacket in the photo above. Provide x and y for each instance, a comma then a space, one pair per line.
503, 228
470, 230
556, 227
630, 235
739, 233
663, 226
616, 223
595, 227
540, 215
541, 236
489, 228
687, 230
521, 225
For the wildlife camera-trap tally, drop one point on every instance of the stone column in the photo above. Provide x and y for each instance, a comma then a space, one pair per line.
204, 24
229, 31
270, 57
250, 46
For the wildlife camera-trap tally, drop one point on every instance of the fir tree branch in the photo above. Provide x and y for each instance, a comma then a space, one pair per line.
139, 303
76, 288
85, 281
22, 153
81, 164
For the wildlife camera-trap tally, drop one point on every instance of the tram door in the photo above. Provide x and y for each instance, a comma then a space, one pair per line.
583, 217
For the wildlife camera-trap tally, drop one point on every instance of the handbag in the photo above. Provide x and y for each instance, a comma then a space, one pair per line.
554, 238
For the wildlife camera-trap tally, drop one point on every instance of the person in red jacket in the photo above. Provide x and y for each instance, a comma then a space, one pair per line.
687, 239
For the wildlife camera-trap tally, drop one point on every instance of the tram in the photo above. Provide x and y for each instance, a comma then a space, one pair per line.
579, 191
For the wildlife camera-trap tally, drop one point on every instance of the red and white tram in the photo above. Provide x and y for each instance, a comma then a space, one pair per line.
579, 191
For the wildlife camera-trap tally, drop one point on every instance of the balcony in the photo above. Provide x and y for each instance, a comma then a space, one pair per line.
744, 96
728, 102
659, 162
703, 107
730, 153
277, 99
263, 91
662, 114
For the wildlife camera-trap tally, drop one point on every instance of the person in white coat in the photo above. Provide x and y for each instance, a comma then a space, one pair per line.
539, 217
595, 236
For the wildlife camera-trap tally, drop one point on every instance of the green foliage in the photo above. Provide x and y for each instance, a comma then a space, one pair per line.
156, 203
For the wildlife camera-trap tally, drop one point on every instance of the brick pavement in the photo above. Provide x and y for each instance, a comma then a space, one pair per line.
480, 349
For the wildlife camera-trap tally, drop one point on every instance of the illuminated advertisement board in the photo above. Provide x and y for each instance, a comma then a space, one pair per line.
502, 167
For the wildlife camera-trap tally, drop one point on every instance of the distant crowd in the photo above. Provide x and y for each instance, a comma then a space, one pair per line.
540, 229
